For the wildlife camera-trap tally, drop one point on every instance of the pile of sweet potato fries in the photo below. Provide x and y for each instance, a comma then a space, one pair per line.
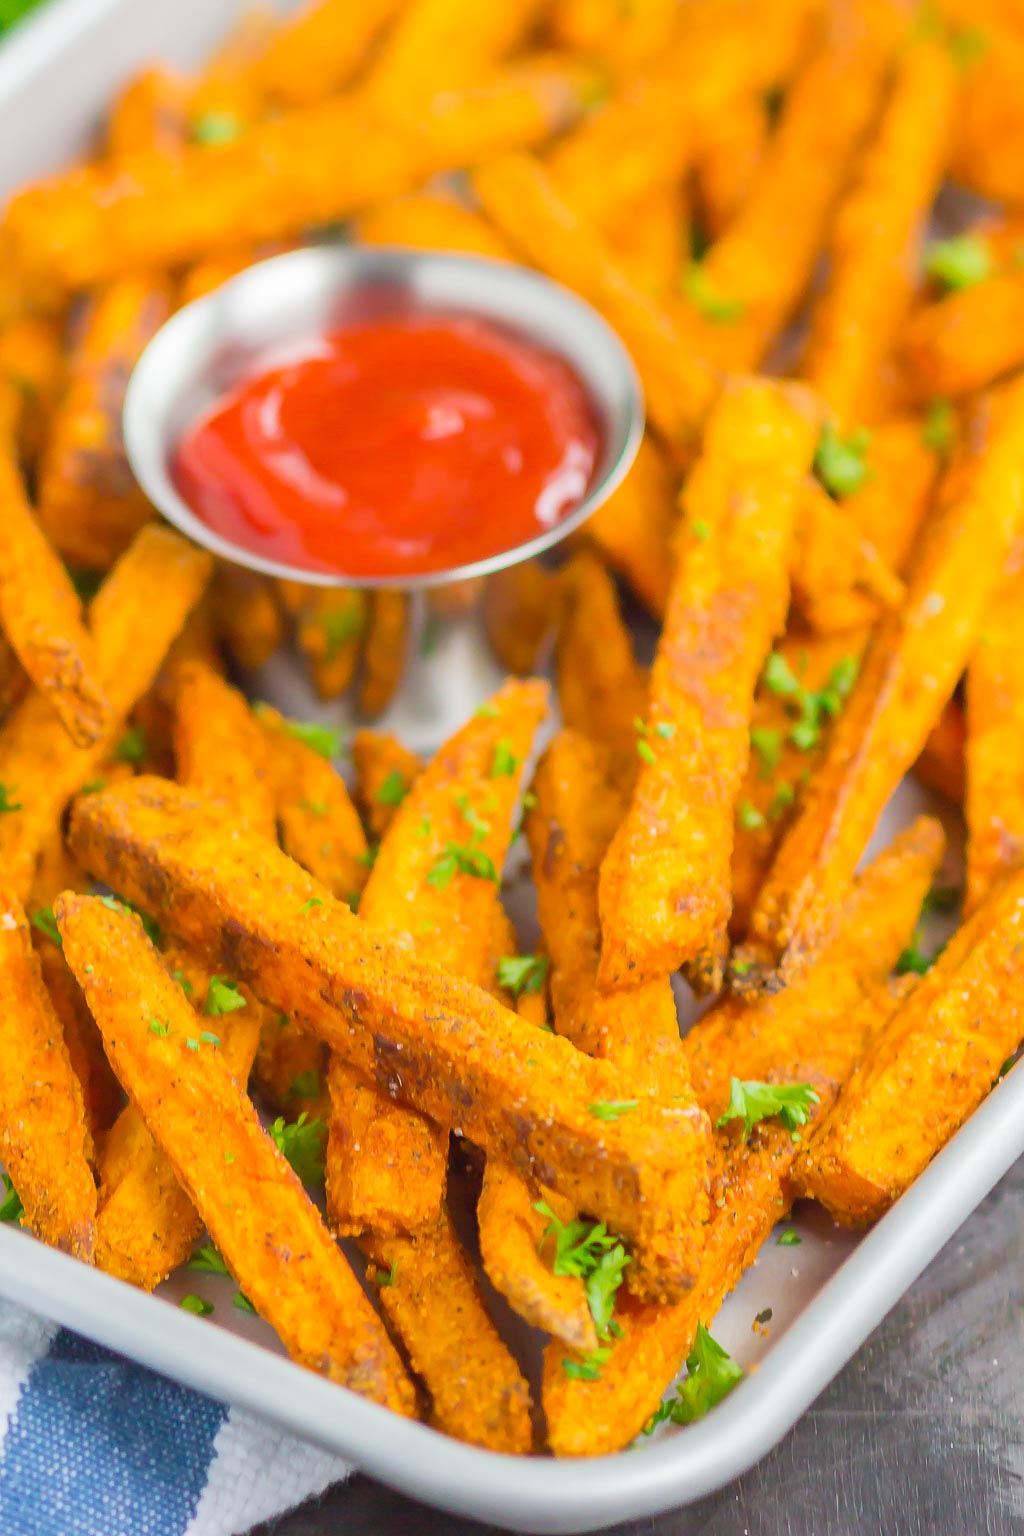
196, 904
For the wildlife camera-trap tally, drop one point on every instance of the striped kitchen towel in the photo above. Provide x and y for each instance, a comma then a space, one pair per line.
92, 1445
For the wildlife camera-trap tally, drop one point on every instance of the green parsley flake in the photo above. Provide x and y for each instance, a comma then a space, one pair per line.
386, 1277
216, 128
704, 296
6, 803
321, 739
159, 1026
316, 808
588, 1367
44, 920
840, 463
461, 858
789, 1239
243, 1303
749, 817
343, 626
504, 762
938, 428
711, 1376
132, 746
613, 1109
665, 730
766, 745
208, 1261
11, 1209
487, 712
183, 982
752, 1102
302, 1143
393, 790
305, 1085
197, 1305
783, 798
645, 750
307, 906
701, 529
93, 787
522, 973
149, 926
222, 997
960, 262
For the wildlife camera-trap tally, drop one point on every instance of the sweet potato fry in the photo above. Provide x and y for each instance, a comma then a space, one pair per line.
89, 504
990, 130
968, 339
910, 669
878, 229
149, 114
248, 616
994, 804
625, 38
291, 1067
224, 97
834, 567
927, 1071
319, 825
521, 611
443, 853
39, 609
523, 200
220, 750
823, 1031
384, 653
602, 690
260, 1217
153, 716
635, 526
160, 577
443, 45
304, 168
331, 631
44, 1138
318, 49
385, 771
32, 358
728, 157
648, 239
428, 221
940, 765
448, 1049
665, 891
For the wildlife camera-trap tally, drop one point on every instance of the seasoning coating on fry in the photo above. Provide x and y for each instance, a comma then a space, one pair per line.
665, 889
602, 690
521, 607
634, 528
259, 1216
994, 804
220, 750
387, 638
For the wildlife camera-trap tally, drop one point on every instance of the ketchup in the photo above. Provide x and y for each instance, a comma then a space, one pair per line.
393, 447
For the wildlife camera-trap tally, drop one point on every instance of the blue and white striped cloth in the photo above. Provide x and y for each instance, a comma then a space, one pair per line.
92, 1445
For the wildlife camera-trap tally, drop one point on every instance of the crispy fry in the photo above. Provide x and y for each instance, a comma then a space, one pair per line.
332, 626
261, 1219
602, 690
319, 825
430, 1296
994, 804
834, 564
634, 528
44, 1138
968, 339
941, 765
225, 92
89, 504
990, 129
443, 45
524, 202
149, 114
154, 714
818, 1036
413, 891
648, 239
429, 221
729, 156
160, 577
40, 611
452, 1052
910, 669
248, 617
387, 641
521, 609
624, 37
291, 1066
381, 760
665, 891
877, 232
32, 359
303, 168
927, 1071
319, 49
220, 749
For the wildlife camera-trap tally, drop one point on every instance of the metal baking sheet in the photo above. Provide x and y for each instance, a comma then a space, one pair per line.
826, 1295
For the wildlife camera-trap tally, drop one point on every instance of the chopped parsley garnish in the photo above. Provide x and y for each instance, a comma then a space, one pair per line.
749, 817
752, 1102
968, 45
393, 790
216, 128
701, 529
12, 1208
504, 762
44, 920
208, 1260
150, 927
317, 808
914, 961
319, 738
522, 973
207, 1037
959, 262
243, 1303
93, 787
159, 1027
222, 997
711, 1376
811, 707
487, 712
937, 430
197, 1305
766, 744
588, 1367
645, 750
942, 899
529, 800
665, 730
612, 1109
183, 982
6, 803
305, 1085
385, 1277
132, 746
783, 798
307, 906
302, 1143
705, 297
789, 1239
839, 462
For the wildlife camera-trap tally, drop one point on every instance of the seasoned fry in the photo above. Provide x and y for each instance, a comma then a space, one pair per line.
149, 114
39, 608
443, 853
941, 763
909, 672
994, 803
319, 825
261, 1219
291, 1066
429, 221
443, 45
990, 132
318, 49
624, 37
602, 690
89, 504
936, 1061
834, 564
384, 771
303, 168
32, 359
665, 891
968, 339
160, 577
729, 156
248, 617
387, 640
521, 610
224, 97
523, 200
453, 1053
635, 526
332, 624
877, 232
649, 238
220, 750
44, 1138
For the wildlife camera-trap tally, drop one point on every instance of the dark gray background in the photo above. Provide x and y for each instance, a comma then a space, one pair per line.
921, 1435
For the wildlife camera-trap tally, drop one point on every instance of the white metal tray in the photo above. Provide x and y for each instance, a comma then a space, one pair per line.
826, 1295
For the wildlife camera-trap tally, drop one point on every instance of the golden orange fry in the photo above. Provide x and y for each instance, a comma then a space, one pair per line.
32, 359
384, 652
634, 528
728, 157
331, 631
834, 568
602, 689
384, 770
429, 221
649, 238
220, 750
968, 339
248, 616
436, 46
940, 764
149, 114
317, 49
994, 804
521, 608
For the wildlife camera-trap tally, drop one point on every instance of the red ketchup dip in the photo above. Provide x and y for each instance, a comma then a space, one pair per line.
393, 447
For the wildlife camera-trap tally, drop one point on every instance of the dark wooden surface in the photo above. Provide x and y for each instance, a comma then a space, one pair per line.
921, 1435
